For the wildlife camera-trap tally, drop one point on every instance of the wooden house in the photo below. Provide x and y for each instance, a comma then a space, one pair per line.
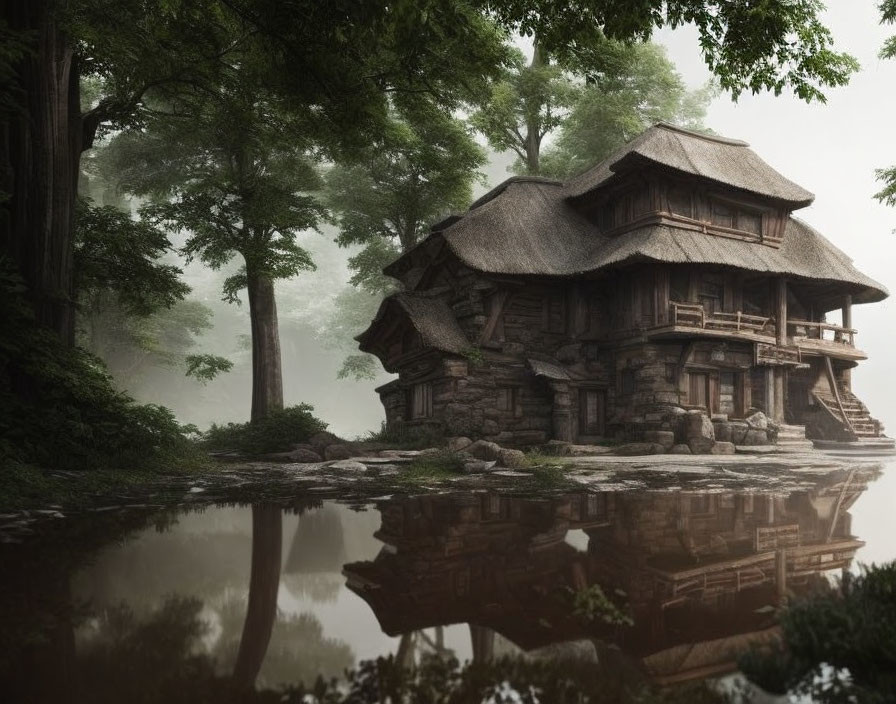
670, 276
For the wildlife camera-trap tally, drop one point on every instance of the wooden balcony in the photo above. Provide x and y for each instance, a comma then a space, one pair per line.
804, 337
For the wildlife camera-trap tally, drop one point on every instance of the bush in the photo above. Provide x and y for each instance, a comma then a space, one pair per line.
278, 432
851, 630
60, 409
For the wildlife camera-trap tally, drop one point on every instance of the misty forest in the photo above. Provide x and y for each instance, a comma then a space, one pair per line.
274, 271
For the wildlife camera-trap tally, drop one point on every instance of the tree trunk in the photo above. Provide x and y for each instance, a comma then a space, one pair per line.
267, 378
533, 121
40, 147
264, 581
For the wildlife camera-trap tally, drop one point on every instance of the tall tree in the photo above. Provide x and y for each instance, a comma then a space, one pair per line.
888, 176
423, 167
229, 168
628, 87
645, 88
336, 59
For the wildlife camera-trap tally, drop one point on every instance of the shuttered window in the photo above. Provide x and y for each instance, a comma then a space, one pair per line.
420, 401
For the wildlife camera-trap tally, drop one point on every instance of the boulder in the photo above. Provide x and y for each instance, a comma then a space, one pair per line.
337, 452
558, 448
680, 449
757, 421
458, 443
348, 466
323, 439
478, 466
634, 449
699, 427
756, 437
739, 430
722, 448
701, 446
302, 454
512, 459
666, 438
722, 430
485, 450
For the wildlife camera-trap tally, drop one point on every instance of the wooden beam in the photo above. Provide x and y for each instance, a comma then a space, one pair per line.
496, 304
832, 381
781, 310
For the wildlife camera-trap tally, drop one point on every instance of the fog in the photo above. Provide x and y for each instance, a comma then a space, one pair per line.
831, 149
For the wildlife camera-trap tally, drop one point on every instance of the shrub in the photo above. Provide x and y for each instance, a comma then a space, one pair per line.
60, 409
278, 432
831, 633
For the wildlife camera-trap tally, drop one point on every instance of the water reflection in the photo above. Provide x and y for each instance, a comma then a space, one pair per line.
647, 586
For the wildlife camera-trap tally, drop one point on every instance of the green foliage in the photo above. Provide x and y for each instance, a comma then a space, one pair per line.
116, 253
277, 432
432, 466
592, 605
59, 409
888, 176
474, 356
642, 88
358, 366
848, 632
206, 367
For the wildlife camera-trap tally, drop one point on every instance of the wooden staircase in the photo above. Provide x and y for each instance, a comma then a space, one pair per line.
857, 420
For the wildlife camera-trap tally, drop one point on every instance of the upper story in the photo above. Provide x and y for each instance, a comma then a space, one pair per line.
677, 234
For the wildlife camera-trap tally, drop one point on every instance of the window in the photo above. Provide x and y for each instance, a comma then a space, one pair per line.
711, 293
627, 382
508, 400
679, 285
722, 215
749, 222
591, 411
420, 401
680, 202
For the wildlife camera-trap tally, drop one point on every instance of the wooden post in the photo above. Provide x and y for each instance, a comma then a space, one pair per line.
781, 311
780, 382
781, 575
847, 312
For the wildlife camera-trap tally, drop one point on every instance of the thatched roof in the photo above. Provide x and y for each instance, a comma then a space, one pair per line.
530, 228
726, 161
549, 370
430, 317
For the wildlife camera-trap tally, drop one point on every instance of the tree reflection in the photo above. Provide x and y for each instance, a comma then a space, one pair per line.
264, 582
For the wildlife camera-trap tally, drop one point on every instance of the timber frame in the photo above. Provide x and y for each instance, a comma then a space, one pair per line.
596, 308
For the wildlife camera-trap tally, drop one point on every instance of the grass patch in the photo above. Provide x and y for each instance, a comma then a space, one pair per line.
433, 467
406, 437
278, 432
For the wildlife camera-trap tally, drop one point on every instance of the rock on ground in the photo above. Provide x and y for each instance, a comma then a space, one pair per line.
478, 466
323, 439
337, 452
757, 421
701, 446
723, 448
512, 458
634, 449
304, 455
666, 438
485, 450
348, 466
458, 443
680, 449
756, 437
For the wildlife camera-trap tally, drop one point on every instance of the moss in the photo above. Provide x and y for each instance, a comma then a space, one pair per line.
433, 467
406, 437
24, 487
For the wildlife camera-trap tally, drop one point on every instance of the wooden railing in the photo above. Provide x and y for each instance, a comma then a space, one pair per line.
694, 315
824, 332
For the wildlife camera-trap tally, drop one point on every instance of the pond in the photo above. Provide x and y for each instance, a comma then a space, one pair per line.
634, 591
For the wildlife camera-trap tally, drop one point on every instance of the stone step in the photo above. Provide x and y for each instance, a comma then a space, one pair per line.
796, 446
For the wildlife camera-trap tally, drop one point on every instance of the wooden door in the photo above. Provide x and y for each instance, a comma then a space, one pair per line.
698, 389
592, 412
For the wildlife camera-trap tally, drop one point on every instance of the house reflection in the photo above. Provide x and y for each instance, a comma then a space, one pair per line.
700, 573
